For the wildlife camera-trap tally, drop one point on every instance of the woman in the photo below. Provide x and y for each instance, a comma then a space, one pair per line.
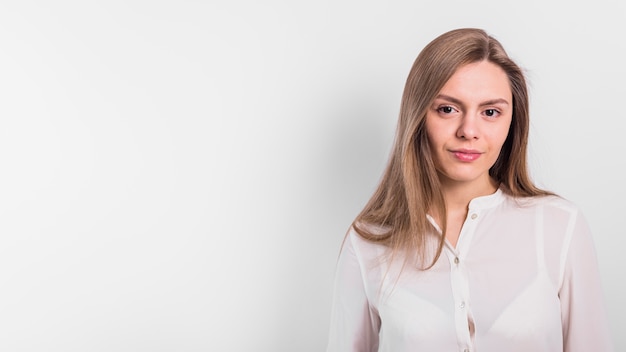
458, 250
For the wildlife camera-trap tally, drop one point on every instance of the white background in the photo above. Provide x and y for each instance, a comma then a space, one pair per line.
178, 175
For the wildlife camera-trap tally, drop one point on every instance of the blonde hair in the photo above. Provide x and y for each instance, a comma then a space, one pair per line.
410, 185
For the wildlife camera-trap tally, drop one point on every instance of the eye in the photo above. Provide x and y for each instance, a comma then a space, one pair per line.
446, 109
492, 112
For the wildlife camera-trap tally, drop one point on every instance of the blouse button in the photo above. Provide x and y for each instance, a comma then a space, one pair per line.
462, 305
474, 216
456, 260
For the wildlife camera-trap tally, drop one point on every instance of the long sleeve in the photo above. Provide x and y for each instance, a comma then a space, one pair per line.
584, 319
354, 323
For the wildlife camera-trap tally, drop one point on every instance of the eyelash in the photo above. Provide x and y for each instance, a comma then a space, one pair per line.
496, 112
440, 109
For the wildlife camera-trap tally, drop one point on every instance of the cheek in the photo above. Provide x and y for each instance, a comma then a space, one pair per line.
500, 136
435, 133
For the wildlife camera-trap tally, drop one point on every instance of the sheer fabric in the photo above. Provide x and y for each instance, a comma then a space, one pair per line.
523, 277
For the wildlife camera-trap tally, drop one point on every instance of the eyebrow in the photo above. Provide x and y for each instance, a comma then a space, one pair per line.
458, 102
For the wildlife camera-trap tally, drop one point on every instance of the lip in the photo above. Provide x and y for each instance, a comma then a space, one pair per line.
466, 155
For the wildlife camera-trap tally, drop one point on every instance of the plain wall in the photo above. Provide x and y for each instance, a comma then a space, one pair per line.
178, 175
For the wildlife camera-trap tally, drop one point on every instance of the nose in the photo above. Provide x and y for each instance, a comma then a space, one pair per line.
468, 127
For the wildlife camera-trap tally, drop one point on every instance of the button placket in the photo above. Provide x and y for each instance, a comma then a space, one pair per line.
460, 296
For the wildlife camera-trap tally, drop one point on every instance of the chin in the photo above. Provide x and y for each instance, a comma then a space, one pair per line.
464, 177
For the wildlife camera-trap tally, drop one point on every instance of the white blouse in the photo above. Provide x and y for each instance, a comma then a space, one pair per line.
523, 277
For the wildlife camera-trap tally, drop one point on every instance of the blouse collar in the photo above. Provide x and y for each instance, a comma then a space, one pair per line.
488, 201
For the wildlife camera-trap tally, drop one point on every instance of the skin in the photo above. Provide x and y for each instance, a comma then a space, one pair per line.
467, 125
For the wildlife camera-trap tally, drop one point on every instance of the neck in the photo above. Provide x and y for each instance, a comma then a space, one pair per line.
458, 195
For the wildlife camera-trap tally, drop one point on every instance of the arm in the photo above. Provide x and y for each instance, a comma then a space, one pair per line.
584, 319
354, 324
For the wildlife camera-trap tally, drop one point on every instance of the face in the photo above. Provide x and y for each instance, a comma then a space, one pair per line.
468, 123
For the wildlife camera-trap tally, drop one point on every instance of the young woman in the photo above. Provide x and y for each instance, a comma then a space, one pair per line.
458, 250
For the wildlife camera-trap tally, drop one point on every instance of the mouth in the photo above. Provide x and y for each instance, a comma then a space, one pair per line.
466, 155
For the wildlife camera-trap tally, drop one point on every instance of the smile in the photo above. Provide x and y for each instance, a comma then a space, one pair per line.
466, 155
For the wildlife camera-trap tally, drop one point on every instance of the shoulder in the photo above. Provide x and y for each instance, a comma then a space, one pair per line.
547, 203
357, 241
363, 250
557, 220
551, 214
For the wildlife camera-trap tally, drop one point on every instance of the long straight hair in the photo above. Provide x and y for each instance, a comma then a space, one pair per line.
410, 186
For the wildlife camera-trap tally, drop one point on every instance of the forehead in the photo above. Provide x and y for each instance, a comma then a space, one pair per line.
478, 81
